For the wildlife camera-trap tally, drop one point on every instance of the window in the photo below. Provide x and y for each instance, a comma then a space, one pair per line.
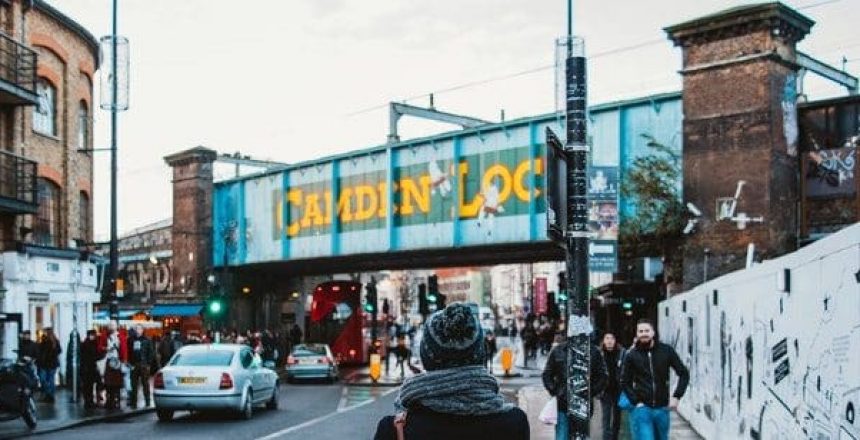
46, 230
45, 111
247, 358
213, 358
84, 211
83, 126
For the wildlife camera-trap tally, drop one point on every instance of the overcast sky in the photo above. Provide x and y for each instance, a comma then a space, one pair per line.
293, 80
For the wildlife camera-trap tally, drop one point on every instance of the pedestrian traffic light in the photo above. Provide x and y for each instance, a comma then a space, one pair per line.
627, 305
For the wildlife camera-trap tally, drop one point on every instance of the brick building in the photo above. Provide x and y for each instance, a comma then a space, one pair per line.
47, 64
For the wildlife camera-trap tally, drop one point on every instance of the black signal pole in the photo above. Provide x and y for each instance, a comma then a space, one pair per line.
578, 321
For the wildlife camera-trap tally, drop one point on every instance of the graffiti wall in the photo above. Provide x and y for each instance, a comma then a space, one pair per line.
774, 350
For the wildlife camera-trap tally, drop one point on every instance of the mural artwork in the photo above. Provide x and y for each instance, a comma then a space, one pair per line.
774, 350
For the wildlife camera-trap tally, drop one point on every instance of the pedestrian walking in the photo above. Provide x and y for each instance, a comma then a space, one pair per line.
142, 357
47, 361
645, 381
296, 335
529, 336
456, 398
89, 372
490, 348
613, 355
115, 357
555, 381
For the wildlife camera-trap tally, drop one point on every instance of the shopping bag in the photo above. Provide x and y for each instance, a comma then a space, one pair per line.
549, 414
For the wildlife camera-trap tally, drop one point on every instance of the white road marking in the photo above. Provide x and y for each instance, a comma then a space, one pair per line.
311, 422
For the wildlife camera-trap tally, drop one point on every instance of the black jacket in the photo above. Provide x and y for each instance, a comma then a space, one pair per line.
555, 374
90, 355
29, 348
613, 360
645, 375
425, 424
141, 351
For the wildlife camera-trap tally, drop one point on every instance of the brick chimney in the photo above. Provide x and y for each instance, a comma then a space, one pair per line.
740, 124
192, 220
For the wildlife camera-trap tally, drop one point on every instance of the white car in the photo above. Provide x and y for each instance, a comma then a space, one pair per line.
214, 377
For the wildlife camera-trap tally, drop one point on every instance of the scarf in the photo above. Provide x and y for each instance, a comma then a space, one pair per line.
467, 390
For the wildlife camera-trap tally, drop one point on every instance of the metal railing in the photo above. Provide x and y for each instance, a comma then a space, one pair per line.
17, 63
18, 178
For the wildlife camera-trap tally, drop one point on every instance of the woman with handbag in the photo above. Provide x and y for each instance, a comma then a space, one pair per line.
456, 398
113, 378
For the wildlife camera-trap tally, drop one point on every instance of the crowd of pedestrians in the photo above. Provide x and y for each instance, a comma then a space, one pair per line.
115, 359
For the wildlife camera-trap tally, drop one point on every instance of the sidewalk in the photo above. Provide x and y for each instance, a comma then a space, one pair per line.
533, 398
64, 414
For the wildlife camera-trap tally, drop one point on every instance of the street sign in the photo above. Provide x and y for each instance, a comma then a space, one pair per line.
540, 296
603, 255
603, 187
556, 186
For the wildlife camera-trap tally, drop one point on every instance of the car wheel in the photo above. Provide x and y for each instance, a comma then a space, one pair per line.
164, 415
273, 402
248, 407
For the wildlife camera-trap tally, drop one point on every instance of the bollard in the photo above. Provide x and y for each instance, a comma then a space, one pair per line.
375, 367
507, 358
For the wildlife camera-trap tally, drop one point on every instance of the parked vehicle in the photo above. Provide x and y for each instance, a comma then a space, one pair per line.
311, 361
18, 382
214, 377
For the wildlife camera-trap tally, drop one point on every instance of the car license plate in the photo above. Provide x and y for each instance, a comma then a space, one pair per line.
307, 361
191, 380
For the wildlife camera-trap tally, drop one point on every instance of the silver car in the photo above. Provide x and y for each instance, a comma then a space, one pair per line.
311, 361
214, 377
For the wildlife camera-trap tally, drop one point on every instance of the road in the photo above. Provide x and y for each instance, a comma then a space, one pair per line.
306, 411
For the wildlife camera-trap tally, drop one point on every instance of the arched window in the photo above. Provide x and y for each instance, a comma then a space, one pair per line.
84, 208
46, 230
45, 111
83, 126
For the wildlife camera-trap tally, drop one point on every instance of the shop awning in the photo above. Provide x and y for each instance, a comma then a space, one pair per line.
180, 310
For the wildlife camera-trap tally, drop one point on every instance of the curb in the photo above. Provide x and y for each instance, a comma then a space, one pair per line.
84, 422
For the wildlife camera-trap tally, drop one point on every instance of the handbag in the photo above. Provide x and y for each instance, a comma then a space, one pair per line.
624, 402
549, 414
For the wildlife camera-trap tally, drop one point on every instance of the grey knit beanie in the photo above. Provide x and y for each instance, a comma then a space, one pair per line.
452, 338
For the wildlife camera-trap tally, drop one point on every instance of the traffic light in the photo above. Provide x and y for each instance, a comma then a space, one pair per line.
562, 286
440, 301
216, 308
423, 306
432, 288
370, 303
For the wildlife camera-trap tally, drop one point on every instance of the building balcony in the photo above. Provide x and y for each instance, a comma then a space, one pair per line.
17, 73
17, 184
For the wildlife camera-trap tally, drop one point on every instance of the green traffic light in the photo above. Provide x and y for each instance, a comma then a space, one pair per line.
431, 298
215, 307
368, 308
627, 305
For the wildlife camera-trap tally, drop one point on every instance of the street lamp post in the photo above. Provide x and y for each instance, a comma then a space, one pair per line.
578, 322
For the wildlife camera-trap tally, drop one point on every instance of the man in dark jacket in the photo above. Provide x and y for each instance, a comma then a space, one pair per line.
142, 357
613, 354
90, 377
27, 347
456, 398
645, 380
555, 382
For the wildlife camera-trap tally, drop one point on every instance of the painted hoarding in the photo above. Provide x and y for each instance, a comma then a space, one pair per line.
773, 350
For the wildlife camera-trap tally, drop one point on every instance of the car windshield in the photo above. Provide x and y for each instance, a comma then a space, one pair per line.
309, 350
213, 358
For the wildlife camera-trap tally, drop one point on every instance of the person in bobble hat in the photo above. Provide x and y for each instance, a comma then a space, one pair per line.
456, 398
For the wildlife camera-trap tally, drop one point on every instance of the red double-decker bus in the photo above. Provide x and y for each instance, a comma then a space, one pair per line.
337, 319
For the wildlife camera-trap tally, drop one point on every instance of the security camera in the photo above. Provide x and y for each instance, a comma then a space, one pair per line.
693, 209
